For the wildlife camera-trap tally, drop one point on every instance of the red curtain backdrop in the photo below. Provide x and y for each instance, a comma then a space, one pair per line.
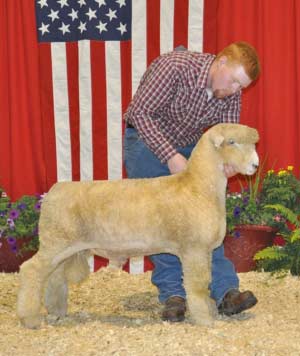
273, 104
22, 163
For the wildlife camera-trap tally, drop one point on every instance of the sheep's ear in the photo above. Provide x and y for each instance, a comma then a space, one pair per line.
217, 140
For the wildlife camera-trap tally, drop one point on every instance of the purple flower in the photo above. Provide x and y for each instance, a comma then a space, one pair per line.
11, 240
14, 214
246, 200
2, 213
14, 248
22, 206
38, 206
236, 211
35, 231
236, 234
8, 205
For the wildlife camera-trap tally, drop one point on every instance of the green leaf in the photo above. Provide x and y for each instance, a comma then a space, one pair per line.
273, 252
295, 235
286, 212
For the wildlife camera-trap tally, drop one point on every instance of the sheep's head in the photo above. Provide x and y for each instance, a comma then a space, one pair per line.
236, 145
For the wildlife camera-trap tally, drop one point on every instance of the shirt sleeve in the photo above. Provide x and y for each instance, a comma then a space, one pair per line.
155, 92
233, 111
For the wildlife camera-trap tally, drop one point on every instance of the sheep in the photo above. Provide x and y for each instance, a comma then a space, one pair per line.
182, 214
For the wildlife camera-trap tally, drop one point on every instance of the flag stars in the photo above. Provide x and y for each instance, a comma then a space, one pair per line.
122, 28
121, 3
73, 14
64, 28
111, 14
65, 20
81, 2
100, 2
54, 15
102, 26
44, 28
63, 3
82, 26
43, 3
91, 14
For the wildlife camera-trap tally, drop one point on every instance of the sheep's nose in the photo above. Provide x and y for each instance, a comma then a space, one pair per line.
254, 165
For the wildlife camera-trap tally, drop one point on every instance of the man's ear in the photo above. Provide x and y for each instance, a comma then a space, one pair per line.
222, 60
217, 140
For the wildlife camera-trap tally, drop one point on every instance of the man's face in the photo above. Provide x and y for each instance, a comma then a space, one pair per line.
228, 79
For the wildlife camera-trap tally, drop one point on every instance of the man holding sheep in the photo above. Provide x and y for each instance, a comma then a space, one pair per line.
181, 94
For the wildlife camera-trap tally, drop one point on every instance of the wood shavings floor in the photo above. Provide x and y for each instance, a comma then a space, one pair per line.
114, 313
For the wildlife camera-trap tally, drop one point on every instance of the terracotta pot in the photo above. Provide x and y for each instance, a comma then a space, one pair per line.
241, 250
11, 261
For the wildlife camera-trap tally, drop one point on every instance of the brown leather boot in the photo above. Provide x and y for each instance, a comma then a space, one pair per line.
174, 310
235, 302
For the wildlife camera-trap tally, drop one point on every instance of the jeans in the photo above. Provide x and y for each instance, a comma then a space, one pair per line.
167, 276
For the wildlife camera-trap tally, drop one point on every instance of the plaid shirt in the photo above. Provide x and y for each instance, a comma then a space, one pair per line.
171, 107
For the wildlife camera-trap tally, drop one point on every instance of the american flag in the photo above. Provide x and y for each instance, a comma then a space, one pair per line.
92, 56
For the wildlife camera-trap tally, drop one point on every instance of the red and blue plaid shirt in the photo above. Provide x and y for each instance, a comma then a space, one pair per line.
171, 107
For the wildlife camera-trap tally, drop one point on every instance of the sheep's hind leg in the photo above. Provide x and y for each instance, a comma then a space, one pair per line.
74, 270
197, 275
56, 293
33, 274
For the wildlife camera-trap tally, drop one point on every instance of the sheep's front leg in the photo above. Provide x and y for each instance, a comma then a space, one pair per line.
196, 266
56, 294
33, 274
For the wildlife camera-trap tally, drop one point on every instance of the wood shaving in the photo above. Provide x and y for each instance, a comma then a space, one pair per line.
115, 313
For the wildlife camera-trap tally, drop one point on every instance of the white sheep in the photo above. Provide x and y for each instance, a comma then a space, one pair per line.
182, 214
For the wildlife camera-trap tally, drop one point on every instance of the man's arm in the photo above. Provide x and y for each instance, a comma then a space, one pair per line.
177, 163
156, 91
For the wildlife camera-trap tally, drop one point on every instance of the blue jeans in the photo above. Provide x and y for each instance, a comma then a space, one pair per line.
167, 276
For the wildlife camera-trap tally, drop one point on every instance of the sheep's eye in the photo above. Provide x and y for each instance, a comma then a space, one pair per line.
231, 142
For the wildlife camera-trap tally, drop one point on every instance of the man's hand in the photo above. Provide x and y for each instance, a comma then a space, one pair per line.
177, 163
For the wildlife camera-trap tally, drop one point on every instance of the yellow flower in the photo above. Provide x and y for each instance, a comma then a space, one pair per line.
290, 168
271, 171
282, 172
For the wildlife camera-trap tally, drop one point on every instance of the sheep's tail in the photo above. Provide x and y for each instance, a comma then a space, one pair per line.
77, 268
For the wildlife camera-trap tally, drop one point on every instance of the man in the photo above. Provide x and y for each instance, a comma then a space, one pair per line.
181, 94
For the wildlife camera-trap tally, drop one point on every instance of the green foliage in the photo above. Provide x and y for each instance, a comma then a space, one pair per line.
272, 252
282, 188
19, 219
285, 257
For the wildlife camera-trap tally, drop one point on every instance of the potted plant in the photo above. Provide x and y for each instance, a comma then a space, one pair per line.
18, 230
252, 220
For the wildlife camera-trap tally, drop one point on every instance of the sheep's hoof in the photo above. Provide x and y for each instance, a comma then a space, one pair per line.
209, 322
58, 312
31, 322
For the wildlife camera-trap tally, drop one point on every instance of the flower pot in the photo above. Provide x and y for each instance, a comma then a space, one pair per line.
241, 250
10, 261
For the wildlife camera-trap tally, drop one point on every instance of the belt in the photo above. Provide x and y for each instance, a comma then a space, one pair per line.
129, 126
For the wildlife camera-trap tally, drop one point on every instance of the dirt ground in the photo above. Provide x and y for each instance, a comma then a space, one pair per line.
114, 313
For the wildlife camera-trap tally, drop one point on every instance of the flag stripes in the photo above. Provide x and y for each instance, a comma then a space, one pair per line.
90, 83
